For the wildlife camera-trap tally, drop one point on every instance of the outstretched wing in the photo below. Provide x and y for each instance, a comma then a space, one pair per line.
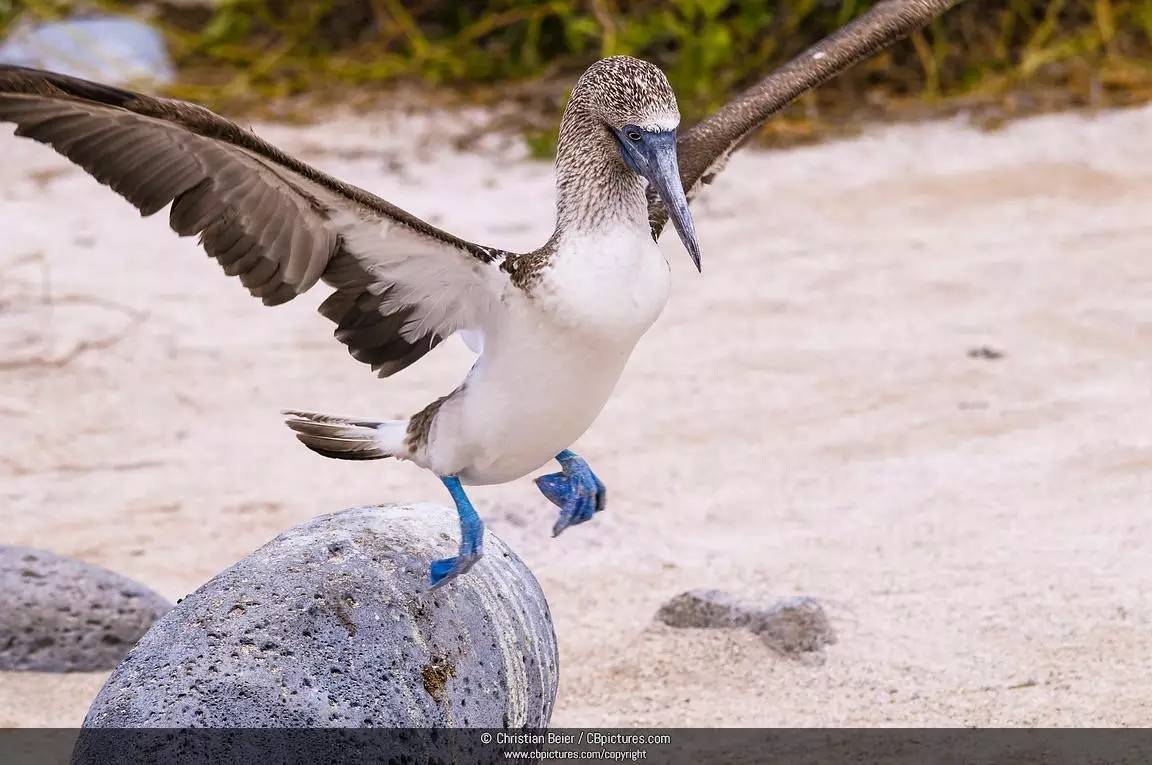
401, 285
704, 149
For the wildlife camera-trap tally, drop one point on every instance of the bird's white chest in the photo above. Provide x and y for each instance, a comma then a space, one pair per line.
552, 358
611, 285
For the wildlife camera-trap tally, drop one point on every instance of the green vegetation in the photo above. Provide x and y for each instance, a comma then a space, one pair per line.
996, 57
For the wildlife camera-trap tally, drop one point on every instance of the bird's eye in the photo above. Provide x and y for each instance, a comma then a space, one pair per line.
633, 134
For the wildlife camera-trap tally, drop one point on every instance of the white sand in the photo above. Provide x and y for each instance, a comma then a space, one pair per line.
805, 418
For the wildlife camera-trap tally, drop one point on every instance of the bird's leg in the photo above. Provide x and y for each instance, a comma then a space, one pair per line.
576, 491
471, 537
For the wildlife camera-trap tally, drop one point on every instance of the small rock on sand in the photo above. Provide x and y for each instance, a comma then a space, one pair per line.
789, 625
704, 609
794, 625
332, 624
64, 615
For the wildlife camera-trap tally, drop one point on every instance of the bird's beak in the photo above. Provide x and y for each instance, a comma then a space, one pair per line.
654, 157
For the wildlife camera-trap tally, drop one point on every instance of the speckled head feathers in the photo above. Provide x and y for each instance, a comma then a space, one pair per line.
593, 181
621, 90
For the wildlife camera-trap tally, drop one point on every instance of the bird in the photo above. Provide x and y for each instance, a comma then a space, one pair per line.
552, 328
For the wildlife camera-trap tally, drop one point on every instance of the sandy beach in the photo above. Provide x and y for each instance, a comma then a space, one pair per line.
913, 382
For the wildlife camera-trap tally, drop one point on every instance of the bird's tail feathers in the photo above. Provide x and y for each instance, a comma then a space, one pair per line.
345, 438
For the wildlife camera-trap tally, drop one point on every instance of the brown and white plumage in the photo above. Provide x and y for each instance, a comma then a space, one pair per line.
556, 325
267, 218
281, 225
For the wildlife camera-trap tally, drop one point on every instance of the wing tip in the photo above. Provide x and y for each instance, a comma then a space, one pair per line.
26, 80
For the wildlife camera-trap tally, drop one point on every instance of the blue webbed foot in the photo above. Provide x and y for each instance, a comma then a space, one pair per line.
576, 491
471, 538
446, 569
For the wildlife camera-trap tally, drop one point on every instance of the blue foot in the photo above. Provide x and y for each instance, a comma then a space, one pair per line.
446, 569
471, 538
576, 491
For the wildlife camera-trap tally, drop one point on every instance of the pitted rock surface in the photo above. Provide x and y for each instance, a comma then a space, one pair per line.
332, 624
63, 615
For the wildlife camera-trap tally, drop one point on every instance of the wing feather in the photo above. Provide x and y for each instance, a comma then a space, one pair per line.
275, 223
703, 150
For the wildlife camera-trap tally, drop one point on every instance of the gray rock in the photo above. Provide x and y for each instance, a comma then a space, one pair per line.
64, 615
790, 625
794, 625
332, 624
112, 49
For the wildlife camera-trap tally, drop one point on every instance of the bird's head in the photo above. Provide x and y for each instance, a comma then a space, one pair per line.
633, 103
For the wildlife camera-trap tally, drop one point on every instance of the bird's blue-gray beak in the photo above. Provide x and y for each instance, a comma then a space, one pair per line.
653, 155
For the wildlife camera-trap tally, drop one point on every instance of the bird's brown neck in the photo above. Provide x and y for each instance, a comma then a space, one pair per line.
594, 188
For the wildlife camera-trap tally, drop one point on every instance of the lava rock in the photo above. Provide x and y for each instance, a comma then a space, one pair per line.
63, 615
790, 625
332, 624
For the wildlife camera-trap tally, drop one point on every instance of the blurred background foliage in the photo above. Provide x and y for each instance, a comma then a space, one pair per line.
991, 58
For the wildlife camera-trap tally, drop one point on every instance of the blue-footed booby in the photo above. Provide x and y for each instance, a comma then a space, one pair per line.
553, 327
